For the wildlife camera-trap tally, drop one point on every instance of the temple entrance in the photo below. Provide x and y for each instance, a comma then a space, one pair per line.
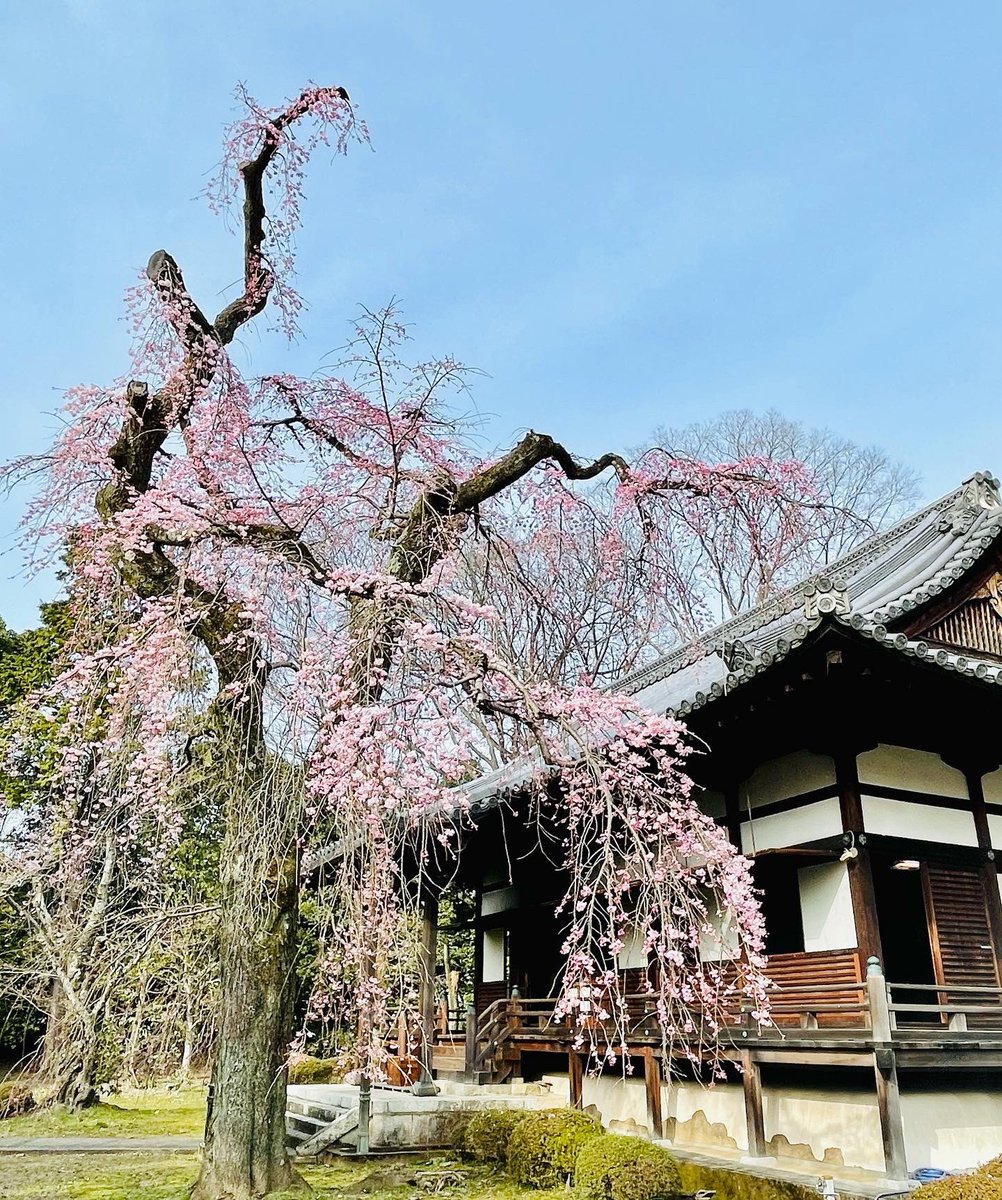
904, 931
535, 961
934, 928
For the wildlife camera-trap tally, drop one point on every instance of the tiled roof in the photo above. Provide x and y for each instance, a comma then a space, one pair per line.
882, 579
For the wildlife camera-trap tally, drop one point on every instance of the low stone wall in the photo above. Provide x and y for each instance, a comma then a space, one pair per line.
399, 1120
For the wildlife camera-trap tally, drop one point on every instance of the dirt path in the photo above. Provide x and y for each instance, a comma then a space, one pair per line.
96, 1145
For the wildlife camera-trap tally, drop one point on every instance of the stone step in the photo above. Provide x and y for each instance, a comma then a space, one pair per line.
330, 1134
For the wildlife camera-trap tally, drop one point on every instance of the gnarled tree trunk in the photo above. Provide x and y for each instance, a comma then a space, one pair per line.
245, 1152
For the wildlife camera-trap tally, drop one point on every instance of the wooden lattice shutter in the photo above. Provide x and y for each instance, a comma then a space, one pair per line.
962, 945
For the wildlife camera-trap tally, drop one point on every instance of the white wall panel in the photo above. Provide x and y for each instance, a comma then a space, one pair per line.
499, 900
820, 819
493, 955
912, 770
924, 822
992, 783
826, 907
791, 775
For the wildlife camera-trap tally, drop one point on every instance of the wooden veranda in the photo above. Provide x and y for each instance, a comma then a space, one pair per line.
872, 1023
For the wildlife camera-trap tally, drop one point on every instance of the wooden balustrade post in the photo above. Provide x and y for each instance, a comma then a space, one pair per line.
881, 1022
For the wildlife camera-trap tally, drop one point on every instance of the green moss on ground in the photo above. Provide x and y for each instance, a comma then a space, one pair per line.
169, 1177
97, 1176
983, 1184
140, 1113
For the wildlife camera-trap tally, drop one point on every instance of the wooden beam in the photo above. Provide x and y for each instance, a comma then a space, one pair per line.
815, 1058
864, 904
652, 1081
575, 1072
952, 1059
892, 1130
751, 1078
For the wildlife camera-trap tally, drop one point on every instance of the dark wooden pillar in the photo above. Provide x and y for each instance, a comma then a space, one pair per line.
993, 902
751, 1078
864, 905
652, 1081
892, 1130
575, 1071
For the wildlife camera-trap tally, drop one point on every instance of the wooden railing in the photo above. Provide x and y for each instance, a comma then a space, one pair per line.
984, 1005
854, 1011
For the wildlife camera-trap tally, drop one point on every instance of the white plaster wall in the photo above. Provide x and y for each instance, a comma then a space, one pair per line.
821, 819
823, 1119
826, 907
924, 822
791, 775
499, 900
995, 830
493, 946
951, 1130
721, 1104
913, 770
620, 1100
992, 784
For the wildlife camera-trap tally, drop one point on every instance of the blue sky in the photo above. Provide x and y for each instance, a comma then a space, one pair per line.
624, 215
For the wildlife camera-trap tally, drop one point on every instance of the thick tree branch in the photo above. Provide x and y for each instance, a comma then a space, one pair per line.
532, 450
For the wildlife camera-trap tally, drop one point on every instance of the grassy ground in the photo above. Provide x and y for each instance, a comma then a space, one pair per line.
169, 1176
129, 1114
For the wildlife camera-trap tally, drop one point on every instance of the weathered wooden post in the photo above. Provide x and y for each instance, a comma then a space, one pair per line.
885, 1071
575, 1071
751, 1078
428, 957
881, 1021
652, 1081
364, 1113
471, 1044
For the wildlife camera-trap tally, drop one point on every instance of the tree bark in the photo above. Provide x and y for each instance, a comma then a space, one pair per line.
70, 1059
245, 1153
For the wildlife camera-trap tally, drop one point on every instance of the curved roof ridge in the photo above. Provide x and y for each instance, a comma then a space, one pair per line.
784, 602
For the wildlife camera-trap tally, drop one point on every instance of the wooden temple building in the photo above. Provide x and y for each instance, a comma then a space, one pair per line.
854, 734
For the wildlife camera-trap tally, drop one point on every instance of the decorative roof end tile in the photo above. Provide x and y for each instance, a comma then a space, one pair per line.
826, 596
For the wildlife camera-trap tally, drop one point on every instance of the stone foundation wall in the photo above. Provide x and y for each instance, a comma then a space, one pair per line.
830, 1127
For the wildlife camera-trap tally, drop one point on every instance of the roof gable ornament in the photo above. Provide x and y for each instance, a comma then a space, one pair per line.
978, 494
736, 655
826, 596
